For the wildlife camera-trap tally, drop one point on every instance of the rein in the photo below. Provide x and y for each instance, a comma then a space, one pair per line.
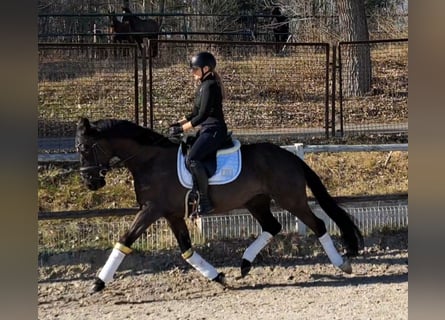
103, 169
135, 154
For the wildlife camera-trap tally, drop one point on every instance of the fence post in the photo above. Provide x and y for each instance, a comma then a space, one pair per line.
334, 70
299, 150
144, 85
300, 227
326, 115
150, 82
340, 88
136, 85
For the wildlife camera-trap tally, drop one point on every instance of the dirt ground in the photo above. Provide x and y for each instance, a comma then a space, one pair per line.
304, 286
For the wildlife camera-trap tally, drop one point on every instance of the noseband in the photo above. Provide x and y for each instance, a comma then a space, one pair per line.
86, 172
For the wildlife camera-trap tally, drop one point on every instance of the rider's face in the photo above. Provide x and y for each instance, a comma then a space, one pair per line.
197, 72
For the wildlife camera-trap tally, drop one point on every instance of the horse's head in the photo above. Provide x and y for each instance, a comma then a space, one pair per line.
94, 153
126, 9
113, 22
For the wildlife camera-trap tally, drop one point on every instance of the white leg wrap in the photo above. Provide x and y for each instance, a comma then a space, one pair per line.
110, 267
202, 266
329, 247
256, 246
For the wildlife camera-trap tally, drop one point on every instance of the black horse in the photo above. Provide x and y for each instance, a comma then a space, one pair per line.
141, 29
120, 31
269, 172
280, 29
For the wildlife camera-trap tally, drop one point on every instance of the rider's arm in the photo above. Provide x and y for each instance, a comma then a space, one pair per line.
207, 102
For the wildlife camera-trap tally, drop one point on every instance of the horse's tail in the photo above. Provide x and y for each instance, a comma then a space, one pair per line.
351, 234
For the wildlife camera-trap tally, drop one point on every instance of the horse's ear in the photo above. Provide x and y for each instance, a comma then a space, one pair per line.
83, 125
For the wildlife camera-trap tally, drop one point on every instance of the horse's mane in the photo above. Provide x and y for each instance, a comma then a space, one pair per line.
114, 128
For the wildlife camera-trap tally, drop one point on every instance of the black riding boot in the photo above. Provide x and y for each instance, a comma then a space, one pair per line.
202, 182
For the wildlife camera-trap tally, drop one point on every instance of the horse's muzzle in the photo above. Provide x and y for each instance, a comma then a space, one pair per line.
93, 177
95, 184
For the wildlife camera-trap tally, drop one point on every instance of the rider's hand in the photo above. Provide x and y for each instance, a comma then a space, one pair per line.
175, 129
176, 124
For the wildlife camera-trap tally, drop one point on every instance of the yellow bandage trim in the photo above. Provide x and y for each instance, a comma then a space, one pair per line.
187, 254
122, 248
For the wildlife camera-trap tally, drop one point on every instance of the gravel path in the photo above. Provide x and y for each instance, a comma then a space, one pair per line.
276, 288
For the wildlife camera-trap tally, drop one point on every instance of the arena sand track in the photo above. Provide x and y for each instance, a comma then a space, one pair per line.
277, 288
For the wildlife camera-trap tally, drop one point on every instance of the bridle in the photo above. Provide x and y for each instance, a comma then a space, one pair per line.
86, 171
96, 148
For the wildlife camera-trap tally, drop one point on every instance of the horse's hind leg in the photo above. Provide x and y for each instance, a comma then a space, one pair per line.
180, 230
303, 212
260, 209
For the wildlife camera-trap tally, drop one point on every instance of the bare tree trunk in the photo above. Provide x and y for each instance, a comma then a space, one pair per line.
357, 59
161, 10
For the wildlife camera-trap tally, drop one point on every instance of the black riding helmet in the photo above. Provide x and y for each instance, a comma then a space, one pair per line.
203, 59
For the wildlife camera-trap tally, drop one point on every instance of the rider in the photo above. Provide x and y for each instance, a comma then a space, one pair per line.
207, 112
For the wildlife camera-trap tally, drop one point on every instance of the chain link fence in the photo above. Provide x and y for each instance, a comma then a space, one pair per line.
286, 96
384, 108
96, 233
279, 93
74, 80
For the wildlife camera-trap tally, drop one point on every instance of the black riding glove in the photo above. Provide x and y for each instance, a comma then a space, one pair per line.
176, 124
175, 129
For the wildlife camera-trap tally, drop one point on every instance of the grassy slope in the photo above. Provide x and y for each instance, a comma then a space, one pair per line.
360, 173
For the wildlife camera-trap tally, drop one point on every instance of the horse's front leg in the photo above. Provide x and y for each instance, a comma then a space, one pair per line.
144, 218
180, 230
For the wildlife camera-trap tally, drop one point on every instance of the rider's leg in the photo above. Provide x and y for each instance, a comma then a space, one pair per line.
207, 143
200, 177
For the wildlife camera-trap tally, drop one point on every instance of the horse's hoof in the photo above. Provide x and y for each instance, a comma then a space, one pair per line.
346, 266
245, 267
220, 278
98, 285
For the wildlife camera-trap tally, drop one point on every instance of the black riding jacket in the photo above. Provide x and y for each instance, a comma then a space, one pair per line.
207, 110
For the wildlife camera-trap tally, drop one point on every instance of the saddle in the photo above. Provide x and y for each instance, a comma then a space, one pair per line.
223, 169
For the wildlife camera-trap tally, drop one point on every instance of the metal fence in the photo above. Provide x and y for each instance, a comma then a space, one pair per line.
194, 23
385, 107
291, 94
97, 233
96, 81
277, 92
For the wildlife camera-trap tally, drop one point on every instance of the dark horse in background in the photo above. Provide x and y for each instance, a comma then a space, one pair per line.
268, 172
280, 29
141, 29
120, 31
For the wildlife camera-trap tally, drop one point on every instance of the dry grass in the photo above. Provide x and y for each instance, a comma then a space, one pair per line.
344, 174
362, 173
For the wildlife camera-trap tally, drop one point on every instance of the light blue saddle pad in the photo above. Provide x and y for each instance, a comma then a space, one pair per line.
228, 166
